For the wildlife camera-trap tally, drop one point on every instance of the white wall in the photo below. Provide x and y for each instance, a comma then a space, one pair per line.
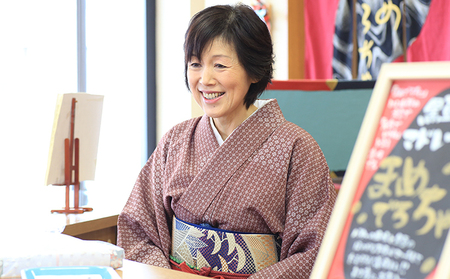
173, 98
280, 38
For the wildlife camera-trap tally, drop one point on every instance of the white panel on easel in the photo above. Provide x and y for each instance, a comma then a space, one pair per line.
88, 113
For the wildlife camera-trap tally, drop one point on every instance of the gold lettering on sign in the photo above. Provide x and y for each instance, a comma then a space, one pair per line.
412, 183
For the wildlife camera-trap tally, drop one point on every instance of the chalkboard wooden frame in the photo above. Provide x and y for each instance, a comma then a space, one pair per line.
388, 74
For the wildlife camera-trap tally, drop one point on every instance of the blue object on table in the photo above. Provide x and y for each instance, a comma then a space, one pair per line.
94, 271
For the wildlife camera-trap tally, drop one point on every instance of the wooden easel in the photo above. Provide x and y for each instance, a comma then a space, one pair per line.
71, 168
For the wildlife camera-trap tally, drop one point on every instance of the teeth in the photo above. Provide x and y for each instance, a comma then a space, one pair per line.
212, 95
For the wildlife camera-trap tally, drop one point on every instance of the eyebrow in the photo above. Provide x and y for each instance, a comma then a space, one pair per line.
221, 55
214, 56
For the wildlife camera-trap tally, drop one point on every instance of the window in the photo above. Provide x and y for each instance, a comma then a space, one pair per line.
38, 60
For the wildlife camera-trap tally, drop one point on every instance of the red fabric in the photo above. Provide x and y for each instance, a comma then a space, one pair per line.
208, 272
433, 42
319, 31
306, 85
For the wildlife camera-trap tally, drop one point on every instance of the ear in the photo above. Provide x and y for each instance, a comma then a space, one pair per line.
254, 80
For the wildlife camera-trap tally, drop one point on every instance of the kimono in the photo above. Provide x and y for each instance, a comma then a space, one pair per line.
269, 176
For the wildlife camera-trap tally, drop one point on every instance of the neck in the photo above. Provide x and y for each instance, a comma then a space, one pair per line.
227, 126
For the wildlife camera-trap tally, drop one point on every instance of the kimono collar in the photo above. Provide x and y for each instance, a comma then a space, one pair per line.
258, 103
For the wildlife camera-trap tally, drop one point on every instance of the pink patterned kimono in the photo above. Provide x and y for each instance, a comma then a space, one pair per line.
269, 176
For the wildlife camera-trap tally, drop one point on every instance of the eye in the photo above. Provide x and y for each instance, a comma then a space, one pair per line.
221, 66
194, 65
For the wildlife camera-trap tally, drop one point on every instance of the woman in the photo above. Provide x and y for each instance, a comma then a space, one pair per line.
239, 190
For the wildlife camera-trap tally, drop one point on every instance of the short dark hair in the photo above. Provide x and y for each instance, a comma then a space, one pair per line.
240, 26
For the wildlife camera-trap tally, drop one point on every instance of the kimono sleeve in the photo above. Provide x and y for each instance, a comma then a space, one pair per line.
142, 225
310, 198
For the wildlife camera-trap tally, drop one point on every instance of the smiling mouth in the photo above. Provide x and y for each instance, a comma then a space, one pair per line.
210, 96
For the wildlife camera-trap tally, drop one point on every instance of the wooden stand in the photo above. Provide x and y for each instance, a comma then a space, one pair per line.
71, 168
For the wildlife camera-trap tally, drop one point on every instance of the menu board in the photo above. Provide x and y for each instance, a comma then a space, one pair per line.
398, 217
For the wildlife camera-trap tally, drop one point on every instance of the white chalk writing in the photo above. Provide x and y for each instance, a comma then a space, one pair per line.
436, 111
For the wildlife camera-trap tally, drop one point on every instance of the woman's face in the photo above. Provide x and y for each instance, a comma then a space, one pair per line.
218, 81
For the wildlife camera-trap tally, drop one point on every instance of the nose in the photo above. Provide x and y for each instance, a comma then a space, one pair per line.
207, 76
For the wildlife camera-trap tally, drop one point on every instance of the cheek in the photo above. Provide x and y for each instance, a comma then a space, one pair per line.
191, 80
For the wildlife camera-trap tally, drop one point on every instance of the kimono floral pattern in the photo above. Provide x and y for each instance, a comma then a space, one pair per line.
223, 250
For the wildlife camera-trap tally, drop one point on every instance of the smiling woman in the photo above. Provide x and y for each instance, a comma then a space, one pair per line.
219, 84
239, 192
250, 39
229, 60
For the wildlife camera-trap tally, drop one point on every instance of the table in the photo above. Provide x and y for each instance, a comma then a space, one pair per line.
94, 225
102, 225
135, 270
